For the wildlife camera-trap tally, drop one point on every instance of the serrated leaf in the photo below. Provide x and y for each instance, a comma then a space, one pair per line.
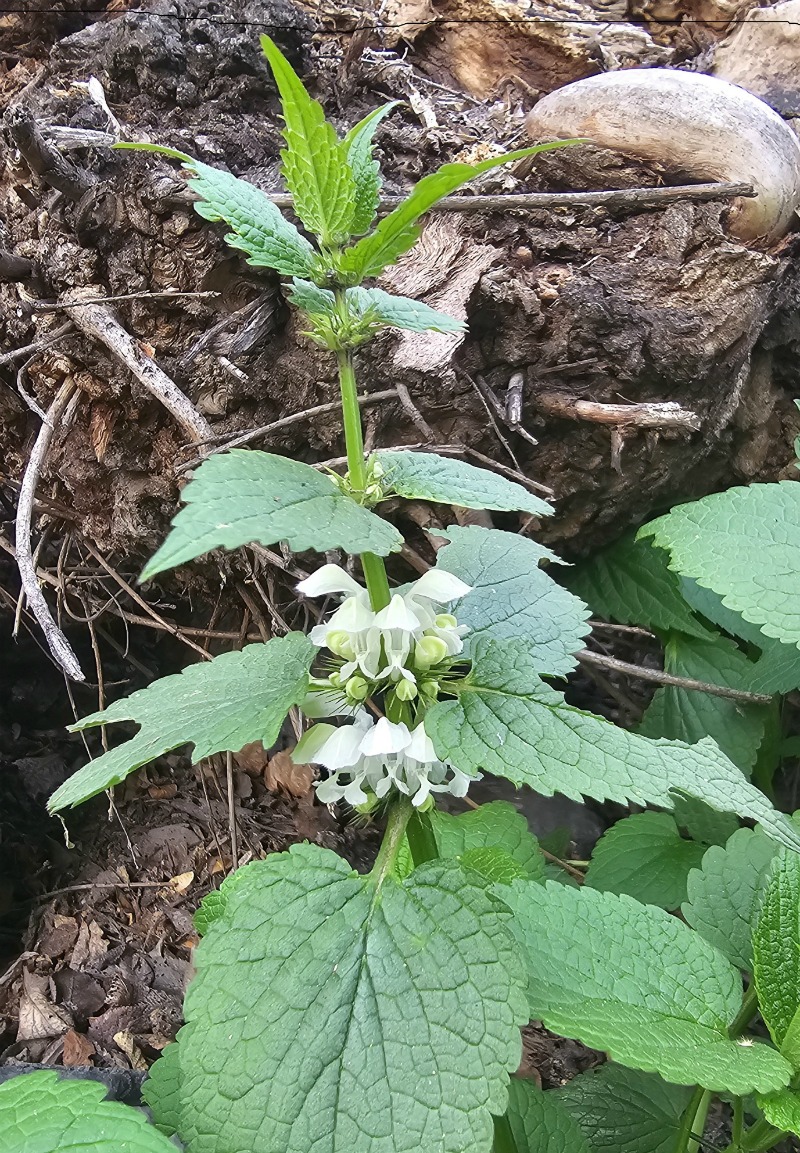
168, 1089
782, 1110
350, 1015
401, 311
212, 907
315, 164
427, 476
218, 706
399, 231
776, 953
258, 226
702, 823
724, 894
743, 544
507, 722
245, 496
624, 1111
638, 983
630, 583
311, 298
539, 1123
497, 824
493, 864
366, 173
41, 1114
646, 857
512, 597
688, 715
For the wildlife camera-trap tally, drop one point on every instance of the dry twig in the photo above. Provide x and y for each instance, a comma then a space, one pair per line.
657, 676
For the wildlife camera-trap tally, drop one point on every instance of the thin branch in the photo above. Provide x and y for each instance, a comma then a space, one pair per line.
530, 201
96, 321
56, 641
36, 346
232, 827
657, 676
60, 305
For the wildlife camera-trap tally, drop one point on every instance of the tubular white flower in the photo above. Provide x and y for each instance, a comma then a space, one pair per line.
379, 756
382, 643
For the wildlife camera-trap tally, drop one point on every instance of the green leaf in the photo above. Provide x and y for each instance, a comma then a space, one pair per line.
688, 715
41, 1114
539, 1123
507, 722
638, 983
782, 1109
702, 823
513, 598
214, 904
776, 953
311, 298
427, 476
315, 163
258, 226
493, 864
645, 857
366, 173
245, 496
631, 583
400, 311
349, 1014
399, 231
218, 706
624, 1111
743, 544
724, 894
497, 824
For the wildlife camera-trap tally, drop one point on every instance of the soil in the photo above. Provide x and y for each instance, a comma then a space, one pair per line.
624, 304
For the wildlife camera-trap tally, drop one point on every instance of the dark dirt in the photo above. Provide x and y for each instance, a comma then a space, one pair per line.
608, 305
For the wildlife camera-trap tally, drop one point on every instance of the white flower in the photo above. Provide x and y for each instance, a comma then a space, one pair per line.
379, 756
380, 645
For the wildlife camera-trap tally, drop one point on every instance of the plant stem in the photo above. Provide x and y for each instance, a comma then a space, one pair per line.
373, 566
421, 840
746, 1013
399, 815
503, 1137
696, 1111
738, 1122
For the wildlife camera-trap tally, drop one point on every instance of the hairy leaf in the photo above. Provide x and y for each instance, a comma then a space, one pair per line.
512, 597
631, 583
401, 311
315, 162
217, 706
539, 1123
507, 722
399, 231
645, 857
41, 1114
776, 953
366, 173
724, 894
638, 983
624, 1111
782, 1109
496, 825
688, 715
258, 226
245, 496
378, 307
427, 476
493, 864
349, 1014
743, 544
702, 823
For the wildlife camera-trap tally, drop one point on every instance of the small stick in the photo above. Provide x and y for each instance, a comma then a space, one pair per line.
657, 676
59, 305
36, 346
656, 414
43, 158
232, 812
418, 419
104, 885
530, 201
56, 641
96, 321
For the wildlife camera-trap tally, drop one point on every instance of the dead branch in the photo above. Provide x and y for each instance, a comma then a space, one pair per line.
43, 159
97, 321
56, 641
656, 414
657, 676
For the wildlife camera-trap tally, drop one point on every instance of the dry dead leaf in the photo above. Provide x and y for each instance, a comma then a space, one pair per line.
90, 947
182, 882
284, 776
101, 425
78, 1049
38, 1016
127, 1043
252, 759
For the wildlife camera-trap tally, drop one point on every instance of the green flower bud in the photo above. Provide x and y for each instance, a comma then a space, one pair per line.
339, 643
429, 651
428, 804
406, 690
356, 689
335, 680
445, 621
429, 689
